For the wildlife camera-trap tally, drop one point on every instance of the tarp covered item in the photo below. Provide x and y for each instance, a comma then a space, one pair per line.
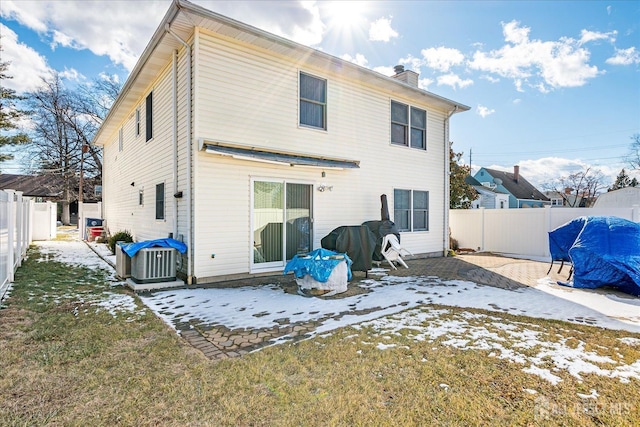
606, 252
357, 241
132, 248
561, 238
318, 264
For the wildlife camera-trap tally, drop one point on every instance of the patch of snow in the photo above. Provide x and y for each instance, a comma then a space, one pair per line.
593, 395
630, 341
381, 346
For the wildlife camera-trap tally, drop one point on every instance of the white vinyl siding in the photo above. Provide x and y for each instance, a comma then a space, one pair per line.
359, 127
233, 82
142, 165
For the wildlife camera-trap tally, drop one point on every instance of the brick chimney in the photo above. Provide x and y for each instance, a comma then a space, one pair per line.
516, 173
407, 76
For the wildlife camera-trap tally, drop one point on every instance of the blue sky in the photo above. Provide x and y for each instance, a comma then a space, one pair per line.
553, 86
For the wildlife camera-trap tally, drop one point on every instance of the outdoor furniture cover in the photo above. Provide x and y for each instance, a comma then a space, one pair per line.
606, 252
357, 241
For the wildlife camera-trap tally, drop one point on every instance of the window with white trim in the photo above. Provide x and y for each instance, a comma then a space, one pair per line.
313, 101
411, 210
408, 126
160, 201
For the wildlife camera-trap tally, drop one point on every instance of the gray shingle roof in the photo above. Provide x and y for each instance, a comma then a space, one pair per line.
522, 189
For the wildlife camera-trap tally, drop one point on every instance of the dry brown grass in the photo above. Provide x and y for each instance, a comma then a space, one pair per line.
67, 363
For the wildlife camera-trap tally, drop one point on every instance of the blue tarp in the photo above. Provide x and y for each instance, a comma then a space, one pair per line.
132, 248
561, 239
605, 252
318, 264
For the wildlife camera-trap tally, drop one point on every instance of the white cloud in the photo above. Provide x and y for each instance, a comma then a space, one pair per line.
26, 66
483, 111
548, 169
425, 83
71, 74
442, 58
103, 29
413, 63
555, 64
490, 79
381, 30
359, 59
625, 57
387, 71
589, 36
454, 81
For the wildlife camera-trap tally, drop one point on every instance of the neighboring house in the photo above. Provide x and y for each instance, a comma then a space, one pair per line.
521, 193
489, 196
250, 148
627, 197
556, 198
43, 188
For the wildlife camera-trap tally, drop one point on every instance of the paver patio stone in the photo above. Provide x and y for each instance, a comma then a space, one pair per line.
218, 342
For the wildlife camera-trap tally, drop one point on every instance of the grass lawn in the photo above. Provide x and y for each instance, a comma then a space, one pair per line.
77, 350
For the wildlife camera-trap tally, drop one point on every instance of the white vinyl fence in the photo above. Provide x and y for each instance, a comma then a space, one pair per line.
522, 232
45, 226
16, 219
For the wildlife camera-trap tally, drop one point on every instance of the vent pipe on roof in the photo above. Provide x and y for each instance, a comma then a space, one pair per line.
516, 173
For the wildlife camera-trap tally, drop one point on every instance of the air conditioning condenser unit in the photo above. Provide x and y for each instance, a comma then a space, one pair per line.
154, 265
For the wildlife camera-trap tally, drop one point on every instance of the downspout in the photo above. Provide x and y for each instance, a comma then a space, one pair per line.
447, 171
189, 148
175, 142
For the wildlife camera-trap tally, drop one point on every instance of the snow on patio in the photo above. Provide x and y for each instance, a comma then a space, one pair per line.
393, 305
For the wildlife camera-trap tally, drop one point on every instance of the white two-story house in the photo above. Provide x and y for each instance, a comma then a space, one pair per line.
250, 148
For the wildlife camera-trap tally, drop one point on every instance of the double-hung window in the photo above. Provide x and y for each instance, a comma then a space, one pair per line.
408, 126
313, 101
411, 210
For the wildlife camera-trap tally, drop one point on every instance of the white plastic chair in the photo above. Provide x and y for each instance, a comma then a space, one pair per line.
392, 251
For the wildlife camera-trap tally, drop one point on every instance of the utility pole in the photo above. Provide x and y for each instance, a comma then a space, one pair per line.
470, 151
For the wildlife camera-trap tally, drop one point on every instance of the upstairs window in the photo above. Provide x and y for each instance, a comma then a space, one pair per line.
137, 122
149, 116
408, 126
313, 101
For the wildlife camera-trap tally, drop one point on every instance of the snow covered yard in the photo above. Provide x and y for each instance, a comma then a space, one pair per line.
405, 348
392, 304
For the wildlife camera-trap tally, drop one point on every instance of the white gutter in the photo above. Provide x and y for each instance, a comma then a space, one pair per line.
447, 171
189, 149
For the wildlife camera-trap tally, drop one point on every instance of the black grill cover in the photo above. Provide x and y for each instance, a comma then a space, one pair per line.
357, 241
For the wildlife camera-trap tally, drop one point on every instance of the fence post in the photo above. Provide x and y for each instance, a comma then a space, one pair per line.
482, 228
547, 226
11, 221
19, 227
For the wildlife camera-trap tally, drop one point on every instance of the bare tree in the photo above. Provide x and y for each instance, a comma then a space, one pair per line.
578, 189
634, 152
64, 124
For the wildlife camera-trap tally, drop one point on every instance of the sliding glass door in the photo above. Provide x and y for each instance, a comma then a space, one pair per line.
281, 222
